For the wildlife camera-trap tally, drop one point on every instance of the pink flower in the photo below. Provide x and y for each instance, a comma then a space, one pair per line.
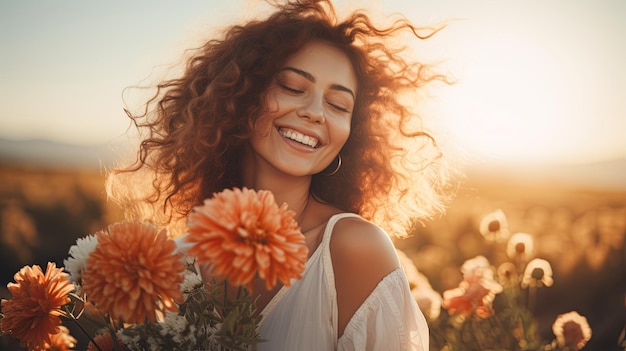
476, 292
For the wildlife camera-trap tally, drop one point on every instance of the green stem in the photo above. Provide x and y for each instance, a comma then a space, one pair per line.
475, 334
225, 311
75, 320
532, 296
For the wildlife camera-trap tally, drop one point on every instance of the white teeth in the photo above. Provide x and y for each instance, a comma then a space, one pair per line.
299, 137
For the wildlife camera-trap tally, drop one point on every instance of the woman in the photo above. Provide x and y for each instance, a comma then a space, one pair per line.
308, 107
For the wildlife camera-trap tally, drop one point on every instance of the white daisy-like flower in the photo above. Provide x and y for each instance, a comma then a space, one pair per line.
571, 330
507, 274
76, 264
177, 326
477, 266
538, 273
429, 302
520, 246
414, 277
191, 281
495, 226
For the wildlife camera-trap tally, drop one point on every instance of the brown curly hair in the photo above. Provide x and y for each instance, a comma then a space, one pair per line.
199, 124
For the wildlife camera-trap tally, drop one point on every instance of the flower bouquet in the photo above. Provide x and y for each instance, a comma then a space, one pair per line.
146, 291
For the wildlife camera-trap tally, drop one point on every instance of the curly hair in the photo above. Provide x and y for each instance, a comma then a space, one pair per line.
199, 124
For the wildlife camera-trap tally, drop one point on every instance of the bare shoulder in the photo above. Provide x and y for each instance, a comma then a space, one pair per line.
362, 255
363, 243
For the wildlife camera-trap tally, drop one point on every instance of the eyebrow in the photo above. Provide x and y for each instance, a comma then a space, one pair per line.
310, 78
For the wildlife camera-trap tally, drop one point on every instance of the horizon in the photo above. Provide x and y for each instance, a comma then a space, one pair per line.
605, 175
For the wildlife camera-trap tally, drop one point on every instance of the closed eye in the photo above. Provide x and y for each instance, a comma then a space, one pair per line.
337, 107
289, 89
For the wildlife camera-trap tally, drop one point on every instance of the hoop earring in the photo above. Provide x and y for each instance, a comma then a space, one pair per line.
336, 168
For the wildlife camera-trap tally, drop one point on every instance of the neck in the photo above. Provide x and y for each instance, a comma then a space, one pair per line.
289, 189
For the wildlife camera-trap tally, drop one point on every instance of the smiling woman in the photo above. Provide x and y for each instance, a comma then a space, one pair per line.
311, 108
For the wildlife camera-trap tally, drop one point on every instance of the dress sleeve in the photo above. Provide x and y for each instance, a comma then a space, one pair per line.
389, 320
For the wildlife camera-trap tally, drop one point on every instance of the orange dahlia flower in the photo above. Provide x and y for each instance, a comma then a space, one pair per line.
61, 341
134, 272
32, 314
242, 233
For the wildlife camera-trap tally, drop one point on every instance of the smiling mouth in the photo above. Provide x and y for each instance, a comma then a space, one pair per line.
299, 137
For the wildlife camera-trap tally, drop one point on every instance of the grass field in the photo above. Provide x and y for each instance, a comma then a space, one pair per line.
580, 231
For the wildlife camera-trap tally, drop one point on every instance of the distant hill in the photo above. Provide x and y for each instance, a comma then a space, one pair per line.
603, 175
55, 154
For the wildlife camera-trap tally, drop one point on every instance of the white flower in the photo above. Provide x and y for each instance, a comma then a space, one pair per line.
177, 326
76, 264
495, 226
572, 330
414, 277
191, 281
429, 302
507, 274
478, 266
520, 246
538, 273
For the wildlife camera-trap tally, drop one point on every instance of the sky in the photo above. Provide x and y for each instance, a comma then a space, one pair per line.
536, 80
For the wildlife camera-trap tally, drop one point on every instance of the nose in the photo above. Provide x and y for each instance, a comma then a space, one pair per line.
313, 109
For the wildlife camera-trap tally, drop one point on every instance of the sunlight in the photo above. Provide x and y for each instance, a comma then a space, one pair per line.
530, 97
507, 101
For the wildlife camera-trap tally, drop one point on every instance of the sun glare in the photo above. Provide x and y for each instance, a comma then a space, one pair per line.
506, 102
520, 98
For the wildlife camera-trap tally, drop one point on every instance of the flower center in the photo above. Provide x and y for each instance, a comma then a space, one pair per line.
537, 273
253, 236
494, 226
572, 333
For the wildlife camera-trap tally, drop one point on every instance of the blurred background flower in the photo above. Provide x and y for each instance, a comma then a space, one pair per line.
498, 308
571, 330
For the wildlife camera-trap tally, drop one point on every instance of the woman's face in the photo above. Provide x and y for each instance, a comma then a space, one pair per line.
310, 103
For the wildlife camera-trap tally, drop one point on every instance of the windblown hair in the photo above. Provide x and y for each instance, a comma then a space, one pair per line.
199, 124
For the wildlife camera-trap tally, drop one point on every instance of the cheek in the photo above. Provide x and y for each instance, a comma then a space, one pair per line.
340, 136
342, 133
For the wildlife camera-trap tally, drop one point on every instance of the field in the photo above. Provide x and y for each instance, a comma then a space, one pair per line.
579, 231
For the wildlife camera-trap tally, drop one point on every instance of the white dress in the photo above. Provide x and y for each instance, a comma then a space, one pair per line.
304, 316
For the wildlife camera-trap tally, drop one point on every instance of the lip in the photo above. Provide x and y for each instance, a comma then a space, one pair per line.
312, 134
